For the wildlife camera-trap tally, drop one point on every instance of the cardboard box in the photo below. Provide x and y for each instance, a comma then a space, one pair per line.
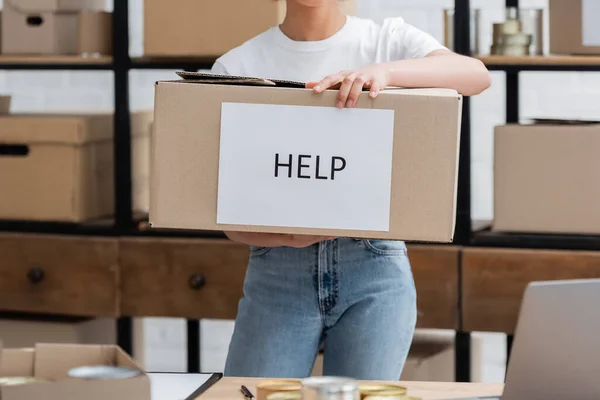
574, 27
60, 167
94, 33
546, 178
386, 169
53, 362
53, 27
216, 26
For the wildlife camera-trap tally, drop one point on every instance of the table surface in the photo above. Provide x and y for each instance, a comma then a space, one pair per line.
229, 389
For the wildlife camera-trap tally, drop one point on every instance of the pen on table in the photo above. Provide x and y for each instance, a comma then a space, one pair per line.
247, 394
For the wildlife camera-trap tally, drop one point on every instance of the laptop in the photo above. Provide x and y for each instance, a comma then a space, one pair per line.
556, 350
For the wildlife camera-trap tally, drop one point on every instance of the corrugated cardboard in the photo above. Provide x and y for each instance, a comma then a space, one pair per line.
53, 27
186, 156
95, 33
566, 27
60, 168
216, 26
52, 361
546, 179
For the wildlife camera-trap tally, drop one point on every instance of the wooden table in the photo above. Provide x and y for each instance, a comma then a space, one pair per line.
229, 389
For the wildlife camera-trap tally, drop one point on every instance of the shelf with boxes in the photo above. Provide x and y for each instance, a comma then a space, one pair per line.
542, 63
573, 47
55, 63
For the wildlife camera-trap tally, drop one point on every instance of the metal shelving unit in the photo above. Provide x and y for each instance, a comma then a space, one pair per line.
466, 235
125, 223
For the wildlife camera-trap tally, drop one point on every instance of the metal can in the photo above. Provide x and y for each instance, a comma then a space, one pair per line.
285, 396
330, 388
20, 380
391, 398
103, 372
267, 388
374, 390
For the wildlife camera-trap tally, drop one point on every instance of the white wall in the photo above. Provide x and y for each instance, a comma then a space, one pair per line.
542, 95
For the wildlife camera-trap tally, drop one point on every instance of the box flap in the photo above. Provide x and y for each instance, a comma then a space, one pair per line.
41, 6
55, 128
556, 121
200, 77
17, 362
54, 361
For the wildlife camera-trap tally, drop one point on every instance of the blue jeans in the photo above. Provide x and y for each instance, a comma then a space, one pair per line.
356, 296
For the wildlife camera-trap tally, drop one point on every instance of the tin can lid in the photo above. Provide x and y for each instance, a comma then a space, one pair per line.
330, 384
103, 372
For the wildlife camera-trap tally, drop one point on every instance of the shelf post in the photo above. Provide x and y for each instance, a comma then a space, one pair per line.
462, 45
122, 118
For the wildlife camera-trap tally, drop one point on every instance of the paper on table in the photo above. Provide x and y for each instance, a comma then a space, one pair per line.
305, 167
175, 386
591, 27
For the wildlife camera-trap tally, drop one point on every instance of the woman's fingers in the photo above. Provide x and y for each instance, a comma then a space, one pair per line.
344, 92
375, 89
328, 82
356, 90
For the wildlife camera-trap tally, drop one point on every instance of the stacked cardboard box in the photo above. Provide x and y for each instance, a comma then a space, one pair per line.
56, 27
574, 27
191, 28
60, 167
546, 178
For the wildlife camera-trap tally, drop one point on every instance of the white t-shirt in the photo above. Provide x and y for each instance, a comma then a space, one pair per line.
360, 43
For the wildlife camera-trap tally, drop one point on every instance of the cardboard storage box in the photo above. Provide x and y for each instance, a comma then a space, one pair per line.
574, 27
53, 361
55, 27
546, 178
209, 28
60, 167
281, 159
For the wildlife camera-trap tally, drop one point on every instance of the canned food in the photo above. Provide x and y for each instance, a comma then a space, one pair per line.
100, 372
20, 380
285, 396
266, 388
372, 390
391, 398
330, 388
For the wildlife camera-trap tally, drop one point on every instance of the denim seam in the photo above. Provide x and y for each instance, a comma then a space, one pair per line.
320, 281
374, 249
260, 251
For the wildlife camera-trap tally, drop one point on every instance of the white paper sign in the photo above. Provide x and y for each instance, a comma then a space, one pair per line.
591, 22
305, 167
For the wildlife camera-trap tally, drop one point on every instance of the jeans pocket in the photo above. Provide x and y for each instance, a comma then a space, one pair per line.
386, 247
256, 251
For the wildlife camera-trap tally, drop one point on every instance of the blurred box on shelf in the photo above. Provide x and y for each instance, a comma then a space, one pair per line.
61, 167
49, 366
55, 27
243, 155
94, 33
546, 178
5, 103
574, 28
210, 28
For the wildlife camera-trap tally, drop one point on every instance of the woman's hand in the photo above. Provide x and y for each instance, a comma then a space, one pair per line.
351, 84
275, 240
